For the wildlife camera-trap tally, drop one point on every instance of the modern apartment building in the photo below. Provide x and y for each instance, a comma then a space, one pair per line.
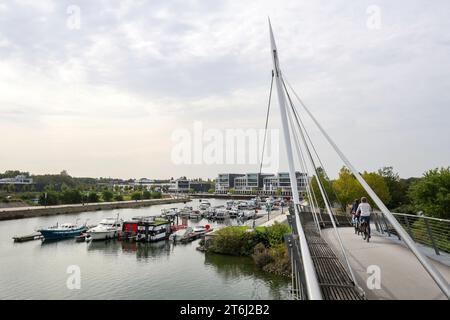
268, 184
281, 183
225, 182
250, 182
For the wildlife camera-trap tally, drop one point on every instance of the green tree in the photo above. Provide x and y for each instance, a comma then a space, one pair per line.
378, 185
156, 195
93, 197
70, 196
107, 195
48, 198
347, 187
212, 190
327, 185
398, 188
136, 195
118, 197
431, 194
11, 188
146, 194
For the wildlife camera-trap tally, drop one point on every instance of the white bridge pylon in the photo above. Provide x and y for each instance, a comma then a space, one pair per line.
312, 285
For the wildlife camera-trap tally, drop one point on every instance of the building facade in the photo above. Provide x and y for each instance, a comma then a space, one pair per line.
180, 185
17, 180
226, 181
266, 184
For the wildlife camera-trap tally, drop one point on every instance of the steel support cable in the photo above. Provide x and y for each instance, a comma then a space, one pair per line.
317, 155
432, 271
267, 122
304, 169
303, 164
322, 191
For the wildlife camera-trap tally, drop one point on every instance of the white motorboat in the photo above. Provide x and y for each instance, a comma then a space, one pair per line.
204, 205
205, 228
108, 228
172, 212
180, 234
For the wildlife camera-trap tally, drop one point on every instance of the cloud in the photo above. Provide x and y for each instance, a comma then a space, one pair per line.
133, 62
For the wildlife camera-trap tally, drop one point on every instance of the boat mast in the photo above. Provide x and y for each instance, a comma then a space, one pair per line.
312, 284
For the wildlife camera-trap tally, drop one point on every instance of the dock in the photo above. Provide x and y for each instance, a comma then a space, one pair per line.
28, 237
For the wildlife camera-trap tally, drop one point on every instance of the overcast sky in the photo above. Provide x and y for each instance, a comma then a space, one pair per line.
103, 94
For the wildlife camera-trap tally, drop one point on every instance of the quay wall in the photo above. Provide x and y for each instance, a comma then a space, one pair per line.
28, 212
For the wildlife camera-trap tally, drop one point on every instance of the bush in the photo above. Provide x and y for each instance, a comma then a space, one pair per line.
241, 241
136, 195
93, 197
70, 196
273, 235
118, 197
234, 241
49, 198
156, 195
146, 195
261, 256
107, 195
280, 264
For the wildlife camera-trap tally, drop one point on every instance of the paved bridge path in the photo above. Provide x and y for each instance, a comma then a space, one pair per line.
402, 276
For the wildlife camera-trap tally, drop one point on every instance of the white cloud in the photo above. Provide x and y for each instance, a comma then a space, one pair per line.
170, 63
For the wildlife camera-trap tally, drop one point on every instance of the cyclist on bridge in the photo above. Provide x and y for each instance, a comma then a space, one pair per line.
364, 209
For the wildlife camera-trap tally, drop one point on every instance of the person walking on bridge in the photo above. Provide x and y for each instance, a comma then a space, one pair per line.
364, 209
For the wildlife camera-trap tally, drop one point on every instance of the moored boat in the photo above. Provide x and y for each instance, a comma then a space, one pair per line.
108, 228
63, 231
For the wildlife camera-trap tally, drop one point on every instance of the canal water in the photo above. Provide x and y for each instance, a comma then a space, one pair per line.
125, 270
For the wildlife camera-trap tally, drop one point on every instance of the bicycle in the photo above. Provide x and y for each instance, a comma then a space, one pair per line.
364, 229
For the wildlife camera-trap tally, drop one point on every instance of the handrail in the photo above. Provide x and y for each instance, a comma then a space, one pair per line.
428, 231
420, 216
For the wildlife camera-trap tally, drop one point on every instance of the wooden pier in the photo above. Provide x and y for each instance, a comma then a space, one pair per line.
28, 237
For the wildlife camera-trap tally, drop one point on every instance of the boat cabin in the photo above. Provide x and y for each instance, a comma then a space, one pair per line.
153, 229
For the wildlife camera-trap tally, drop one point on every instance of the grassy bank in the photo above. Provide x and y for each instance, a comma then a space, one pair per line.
265, 245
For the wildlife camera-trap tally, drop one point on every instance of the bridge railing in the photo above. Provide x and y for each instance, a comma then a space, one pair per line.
431, 232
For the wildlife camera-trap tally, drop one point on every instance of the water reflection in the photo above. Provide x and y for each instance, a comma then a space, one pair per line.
139, 249
120, 269
152, 250
108, 247
229, 267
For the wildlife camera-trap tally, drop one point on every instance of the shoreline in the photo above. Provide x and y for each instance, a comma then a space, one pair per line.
39, 211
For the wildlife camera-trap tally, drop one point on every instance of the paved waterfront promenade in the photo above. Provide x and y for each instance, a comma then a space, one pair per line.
402, 276
36, 211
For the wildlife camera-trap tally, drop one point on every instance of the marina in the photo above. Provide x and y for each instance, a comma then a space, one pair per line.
123, 269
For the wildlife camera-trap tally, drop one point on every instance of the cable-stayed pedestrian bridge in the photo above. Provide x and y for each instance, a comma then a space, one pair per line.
328, 260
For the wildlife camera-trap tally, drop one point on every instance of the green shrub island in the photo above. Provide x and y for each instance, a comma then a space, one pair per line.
264, 244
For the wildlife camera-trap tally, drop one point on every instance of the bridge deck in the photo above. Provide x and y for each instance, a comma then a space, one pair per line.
333, 278
402, 276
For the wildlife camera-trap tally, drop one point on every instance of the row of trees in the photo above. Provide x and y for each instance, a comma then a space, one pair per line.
75, 196
430, 194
